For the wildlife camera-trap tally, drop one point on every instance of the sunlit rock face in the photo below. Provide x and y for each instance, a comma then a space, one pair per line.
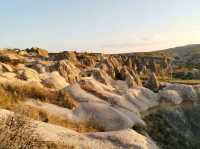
68, 70
38, 52
53, 80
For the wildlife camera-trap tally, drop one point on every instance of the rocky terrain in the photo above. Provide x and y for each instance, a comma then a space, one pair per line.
94, 101
185, 60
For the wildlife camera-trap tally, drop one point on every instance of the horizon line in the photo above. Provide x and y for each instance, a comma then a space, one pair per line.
81, 50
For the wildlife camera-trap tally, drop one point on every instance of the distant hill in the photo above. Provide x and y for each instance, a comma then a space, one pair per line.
185, 56
185, 60
184, 50
188, 55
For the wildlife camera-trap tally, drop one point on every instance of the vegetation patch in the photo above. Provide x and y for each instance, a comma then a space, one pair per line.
11, 93
165, 133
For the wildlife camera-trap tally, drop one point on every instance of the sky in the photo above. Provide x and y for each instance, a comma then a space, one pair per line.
108, 26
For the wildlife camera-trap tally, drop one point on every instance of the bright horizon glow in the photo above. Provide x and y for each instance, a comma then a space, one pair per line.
99, 25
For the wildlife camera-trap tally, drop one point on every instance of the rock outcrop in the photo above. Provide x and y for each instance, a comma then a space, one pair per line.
5, 68
53, 80
187, 92
98, 74
153, 83
110, 65
170, 96
28, 74
37, 52
69, 71
20, 132
39, 68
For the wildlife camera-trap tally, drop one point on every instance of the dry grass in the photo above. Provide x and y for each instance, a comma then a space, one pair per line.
44, 116
12, 97
166, 79
29, 90
189, 82
21, 91
8, 99
64, 99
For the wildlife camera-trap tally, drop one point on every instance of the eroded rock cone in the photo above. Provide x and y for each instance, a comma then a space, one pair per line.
86, 61
42, 52
110, 65
136, 78
153, 83
125, 75
130, 80
70, 55
153, 67
98, 74
69, 71
37, 52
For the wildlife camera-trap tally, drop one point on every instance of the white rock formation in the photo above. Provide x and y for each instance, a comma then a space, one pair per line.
20, 132
170, 96
53, 80
187, 92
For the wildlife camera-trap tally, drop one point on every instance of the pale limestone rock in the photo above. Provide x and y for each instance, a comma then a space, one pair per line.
187, 92
81, 95
106, 93
69, 71
53, 113
28, 74
53, 80
33, 134
120, 86
103, 116
20, 66
34, 51
142, 98
130, 77
39, 68
98, 74
5, 67
170, 96
8, 75
136, 78
126, 136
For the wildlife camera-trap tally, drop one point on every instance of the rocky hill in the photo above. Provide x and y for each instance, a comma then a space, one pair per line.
185, 60
189, 55
94, 101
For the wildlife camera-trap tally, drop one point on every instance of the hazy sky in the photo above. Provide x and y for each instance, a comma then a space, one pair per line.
99, 25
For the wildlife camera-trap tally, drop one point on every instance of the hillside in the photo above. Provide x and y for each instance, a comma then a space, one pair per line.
184, 50
189, 55
184, 54
185, 60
